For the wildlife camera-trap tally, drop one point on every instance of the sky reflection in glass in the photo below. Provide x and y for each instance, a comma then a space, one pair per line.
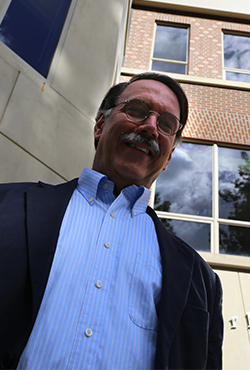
170, 43
237, 51
234, 184
193, 233
32, 30
241, 77
235, 240
186, 186
237, 56
168, 67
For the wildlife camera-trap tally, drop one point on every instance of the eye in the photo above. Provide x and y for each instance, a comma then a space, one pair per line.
136, 110
168, 124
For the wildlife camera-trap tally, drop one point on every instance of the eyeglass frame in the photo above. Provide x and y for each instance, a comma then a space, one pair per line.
149, 112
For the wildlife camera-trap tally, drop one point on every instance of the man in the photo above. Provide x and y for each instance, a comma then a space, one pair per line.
90, 278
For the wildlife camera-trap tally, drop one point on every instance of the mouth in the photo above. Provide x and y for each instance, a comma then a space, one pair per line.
148, 146
139, 148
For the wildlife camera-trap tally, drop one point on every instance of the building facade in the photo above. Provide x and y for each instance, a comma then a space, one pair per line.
204, 196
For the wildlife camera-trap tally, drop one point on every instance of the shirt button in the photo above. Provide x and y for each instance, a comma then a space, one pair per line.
91, 199
105, 186
98, 284
88, 332
112, 215
134, 213
107, 245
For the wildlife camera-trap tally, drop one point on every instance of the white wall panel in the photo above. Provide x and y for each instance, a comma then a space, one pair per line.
8, 76
236, 350
18, 165
93, 46
51, 129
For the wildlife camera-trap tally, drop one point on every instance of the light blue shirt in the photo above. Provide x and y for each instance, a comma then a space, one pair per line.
99, 307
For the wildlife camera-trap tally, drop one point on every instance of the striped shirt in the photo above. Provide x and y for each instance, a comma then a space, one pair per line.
99, 306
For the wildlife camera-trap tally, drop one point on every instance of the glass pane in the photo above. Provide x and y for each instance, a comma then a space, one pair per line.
234, 184
168, 67
186, 186
195, 234
241, 77
32, 30
235, 240
171, 43
237, 51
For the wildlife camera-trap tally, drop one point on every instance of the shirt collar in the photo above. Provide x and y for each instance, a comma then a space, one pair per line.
91, 183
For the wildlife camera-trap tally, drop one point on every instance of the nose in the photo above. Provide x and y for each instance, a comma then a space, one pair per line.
149, 126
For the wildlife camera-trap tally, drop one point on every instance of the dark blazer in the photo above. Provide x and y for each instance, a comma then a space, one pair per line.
190, 319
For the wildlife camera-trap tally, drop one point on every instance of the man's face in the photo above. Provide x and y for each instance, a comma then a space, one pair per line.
127, 163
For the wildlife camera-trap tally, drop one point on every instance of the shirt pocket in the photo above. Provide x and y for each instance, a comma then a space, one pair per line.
145, 292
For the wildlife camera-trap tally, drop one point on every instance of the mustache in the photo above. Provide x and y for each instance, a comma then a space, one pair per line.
136, 138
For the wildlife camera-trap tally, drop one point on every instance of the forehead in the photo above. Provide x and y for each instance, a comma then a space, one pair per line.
155, 93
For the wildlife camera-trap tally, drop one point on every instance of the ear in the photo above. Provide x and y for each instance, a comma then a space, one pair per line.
168, 160
99, 126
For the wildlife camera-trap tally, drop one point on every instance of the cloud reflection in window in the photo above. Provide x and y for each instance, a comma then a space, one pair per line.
237, 52
186, 186
170, 43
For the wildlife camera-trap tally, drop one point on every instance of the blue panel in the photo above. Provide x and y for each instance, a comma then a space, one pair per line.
31, 28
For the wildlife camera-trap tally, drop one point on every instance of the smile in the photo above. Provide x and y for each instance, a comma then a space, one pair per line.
139, 148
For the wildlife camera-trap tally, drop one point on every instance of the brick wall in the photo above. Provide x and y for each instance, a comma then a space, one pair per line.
219, 115
216, 114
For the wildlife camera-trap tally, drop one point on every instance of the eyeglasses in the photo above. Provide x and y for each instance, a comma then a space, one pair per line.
138, 111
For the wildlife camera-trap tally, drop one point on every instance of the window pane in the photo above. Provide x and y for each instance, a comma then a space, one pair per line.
235, 240
171, 43
186, 186
168, 67
32, 30
234, 184
237, 51
241, 77
195, 234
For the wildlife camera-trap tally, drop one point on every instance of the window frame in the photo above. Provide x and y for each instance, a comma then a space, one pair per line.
153, 59
214, 221
233, 70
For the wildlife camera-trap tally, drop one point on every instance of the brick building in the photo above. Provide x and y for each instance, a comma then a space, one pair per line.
204, 196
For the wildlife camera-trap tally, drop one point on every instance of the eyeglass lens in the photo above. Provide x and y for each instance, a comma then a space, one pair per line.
138, 111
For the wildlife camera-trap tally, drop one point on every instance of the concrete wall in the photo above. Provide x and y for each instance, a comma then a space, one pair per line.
46, 125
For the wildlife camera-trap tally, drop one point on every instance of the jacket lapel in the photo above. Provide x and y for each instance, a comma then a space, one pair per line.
45, 208
177, 270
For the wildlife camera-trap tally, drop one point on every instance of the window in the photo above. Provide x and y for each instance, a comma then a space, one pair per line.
204, 198
236, 57
170, 49
32, 30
